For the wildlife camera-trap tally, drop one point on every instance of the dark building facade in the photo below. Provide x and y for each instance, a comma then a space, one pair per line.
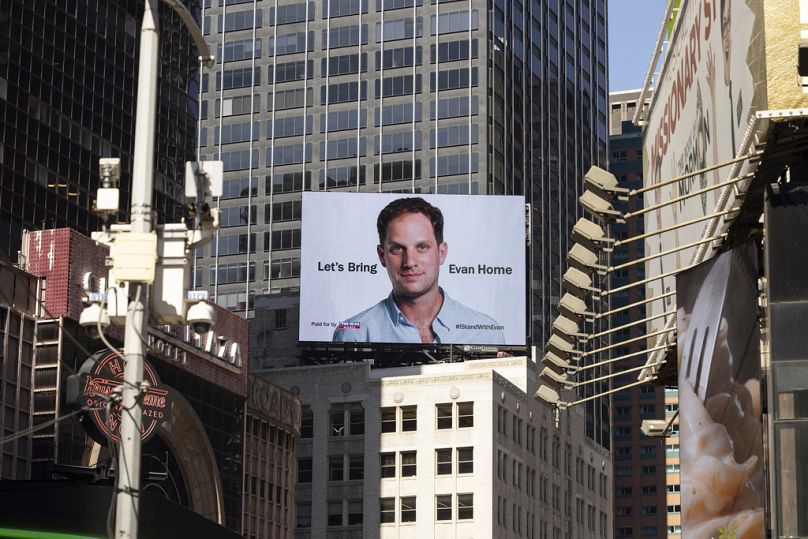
68, 84
640, 472
505, 97
19, 307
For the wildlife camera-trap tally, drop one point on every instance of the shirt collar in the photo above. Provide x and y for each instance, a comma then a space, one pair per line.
444, 317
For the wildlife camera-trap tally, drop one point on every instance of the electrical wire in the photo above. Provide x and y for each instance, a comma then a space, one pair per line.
122, 454
118, 457
103, 337
36, 428
113, 454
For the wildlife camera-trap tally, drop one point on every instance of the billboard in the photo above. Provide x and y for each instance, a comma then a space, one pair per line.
466, 287
708, 89
721, 431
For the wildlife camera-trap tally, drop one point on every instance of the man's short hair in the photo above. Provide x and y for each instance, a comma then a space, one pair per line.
400, 206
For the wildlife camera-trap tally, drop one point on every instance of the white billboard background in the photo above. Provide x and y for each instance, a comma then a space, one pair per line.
338, 256
699, 114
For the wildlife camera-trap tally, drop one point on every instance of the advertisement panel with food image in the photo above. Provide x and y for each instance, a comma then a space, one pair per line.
412, 269
721, 435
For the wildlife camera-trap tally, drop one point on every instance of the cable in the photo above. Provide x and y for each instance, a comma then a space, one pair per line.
120, 458
36, 428
113, 454
122, 454
101, 330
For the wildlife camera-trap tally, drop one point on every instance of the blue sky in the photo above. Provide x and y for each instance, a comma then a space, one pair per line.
633, 28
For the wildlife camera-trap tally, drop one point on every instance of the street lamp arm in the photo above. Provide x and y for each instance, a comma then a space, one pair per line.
204, 52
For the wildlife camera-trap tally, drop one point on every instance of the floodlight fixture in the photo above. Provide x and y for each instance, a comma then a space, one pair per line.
603, 182
561, 346
556, 362
548, 396
585, 259
554, 379
578, 283
573, 307
600, 207
567, 327
589, 233
658, 428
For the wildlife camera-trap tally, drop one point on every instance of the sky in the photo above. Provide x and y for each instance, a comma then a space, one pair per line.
633, 28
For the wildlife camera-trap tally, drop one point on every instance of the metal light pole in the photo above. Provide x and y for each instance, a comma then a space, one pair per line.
128, 495
137, 317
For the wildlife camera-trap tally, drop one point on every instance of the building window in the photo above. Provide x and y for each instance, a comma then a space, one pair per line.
336, 468
465, 507
408, 509
356, 467
304, 471
465, 460
406, 414
443, 459
443, 507
303, 513
280, 319
306, 423
444, 415
389, 419
408, 465
357, 421
388, 464
409, 418
648, 470
387, 510
335, 513
337, 419
465, 414
354, 512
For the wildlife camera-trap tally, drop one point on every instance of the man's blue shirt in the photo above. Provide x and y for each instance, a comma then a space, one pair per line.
385, 323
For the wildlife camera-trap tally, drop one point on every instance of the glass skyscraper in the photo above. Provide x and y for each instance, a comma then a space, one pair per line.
68, 84
425, 96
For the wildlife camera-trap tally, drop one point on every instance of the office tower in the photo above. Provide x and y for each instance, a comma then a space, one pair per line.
506, 98
443, 450
640, 484
396, 95
68, 83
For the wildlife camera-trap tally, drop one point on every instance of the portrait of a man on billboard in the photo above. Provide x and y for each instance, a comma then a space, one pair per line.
413, 269
418, 310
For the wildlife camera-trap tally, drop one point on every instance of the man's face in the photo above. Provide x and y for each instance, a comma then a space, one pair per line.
412, 255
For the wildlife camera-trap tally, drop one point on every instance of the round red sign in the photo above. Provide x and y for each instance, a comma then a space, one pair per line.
103, 378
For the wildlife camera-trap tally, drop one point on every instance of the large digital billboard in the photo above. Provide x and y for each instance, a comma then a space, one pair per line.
393, 268
721, 430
